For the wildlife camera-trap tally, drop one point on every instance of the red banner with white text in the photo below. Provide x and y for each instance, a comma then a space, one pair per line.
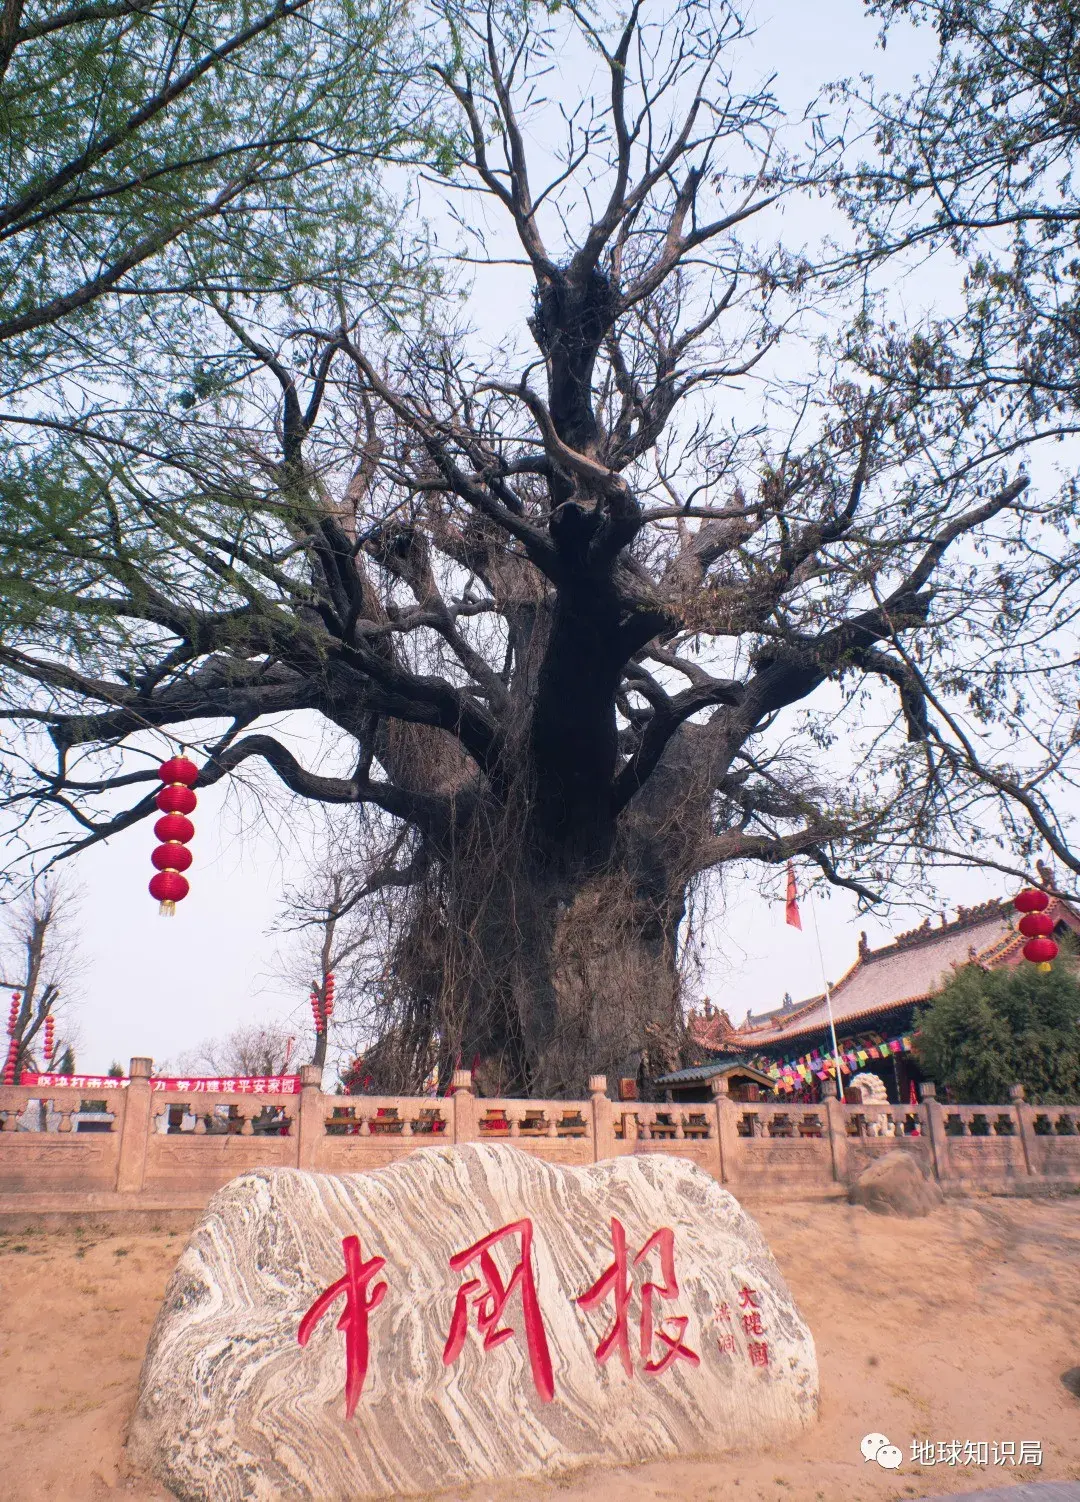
261, 1084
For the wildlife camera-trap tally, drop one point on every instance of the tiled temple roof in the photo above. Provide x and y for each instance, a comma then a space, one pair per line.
910, 969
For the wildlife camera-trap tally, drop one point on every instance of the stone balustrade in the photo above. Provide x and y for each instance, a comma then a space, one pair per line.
161, 1150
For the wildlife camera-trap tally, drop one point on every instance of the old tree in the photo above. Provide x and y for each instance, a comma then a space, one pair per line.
557, 593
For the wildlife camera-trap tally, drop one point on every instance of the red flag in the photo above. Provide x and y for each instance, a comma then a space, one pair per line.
791, 906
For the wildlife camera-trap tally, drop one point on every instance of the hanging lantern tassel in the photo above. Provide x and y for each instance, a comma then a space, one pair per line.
172, 857
1036, 925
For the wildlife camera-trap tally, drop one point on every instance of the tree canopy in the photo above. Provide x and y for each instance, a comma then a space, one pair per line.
987, 1030
974, 171
980, 158
156, 153
560, 601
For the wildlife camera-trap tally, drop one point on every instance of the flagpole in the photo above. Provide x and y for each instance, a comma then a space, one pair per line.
828, 999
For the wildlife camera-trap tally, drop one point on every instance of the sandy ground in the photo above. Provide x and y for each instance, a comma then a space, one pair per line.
958, 1327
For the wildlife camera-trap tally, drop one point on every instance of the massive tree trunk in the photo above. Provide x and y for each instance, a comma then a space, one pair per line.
543, 944
543, 968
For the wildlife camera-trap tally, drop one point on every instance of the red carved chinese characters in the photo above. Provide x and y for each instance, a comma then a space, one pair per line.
359, 1303
615, 1281
489, 1297
757, 1350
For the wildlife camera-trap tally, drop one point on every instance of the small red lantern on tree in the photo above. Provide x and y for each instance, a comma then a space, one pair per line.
172, 857
1036, 925
49, 1037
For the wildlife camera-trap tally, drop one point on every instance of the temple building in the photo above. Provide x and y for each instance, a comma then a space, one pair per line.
873, 1004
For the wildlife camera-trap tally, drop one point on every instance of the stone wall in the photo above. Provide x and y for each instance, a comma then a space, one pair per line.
130, 1164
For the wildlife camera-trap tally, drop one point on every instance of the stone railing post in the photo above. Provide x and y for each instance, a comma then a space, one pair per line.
836, 1125
135, 1128
727, 1132
465, 1121
1022, 1113
939, 1140
602, 1119
311, 1117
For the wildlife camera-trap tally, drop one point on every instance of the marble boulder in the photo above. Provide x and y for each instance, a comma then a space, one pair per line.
632, 1310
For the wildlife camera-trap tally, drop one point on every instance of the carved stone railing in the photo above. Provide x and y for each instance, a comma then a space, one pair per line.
174, 1147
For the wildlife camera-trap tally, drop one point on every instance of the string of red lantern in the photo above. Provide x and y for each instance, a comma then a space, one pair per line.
1036, 925
49, 1027
13, 1046
322, 1006
175, 830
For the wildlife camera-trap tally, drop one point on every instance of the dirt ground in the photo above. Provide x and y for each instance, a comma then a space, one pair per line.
958, 1327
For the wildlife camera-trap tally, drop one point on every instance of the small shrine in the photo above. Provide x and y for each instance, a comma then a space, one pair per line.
743, 1082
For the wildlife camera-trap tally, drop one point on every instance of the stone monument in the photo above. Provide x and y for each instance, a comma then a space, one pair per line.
467, 1314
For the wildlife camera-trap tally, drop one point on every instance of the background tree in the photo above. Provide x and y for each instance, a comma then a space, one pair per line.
255, 1048
331, 949
987, 1030
558, 604
971, 188
39, 959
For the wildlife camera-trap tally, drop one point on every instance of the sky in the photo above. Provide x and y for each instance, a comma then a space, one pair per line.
158, 987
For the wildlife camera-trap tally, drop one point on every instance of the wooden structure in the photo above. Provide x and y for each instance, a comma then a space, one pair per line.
744, 1082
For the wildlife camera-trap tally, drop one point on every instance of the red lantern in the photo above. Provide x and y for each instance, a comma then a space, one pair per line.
176, 800
1031, 901
175, 827
49, 1035
1040, 952
179, 769
171, 857
9, 1063
169, 887
13, 1013
1036, 925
